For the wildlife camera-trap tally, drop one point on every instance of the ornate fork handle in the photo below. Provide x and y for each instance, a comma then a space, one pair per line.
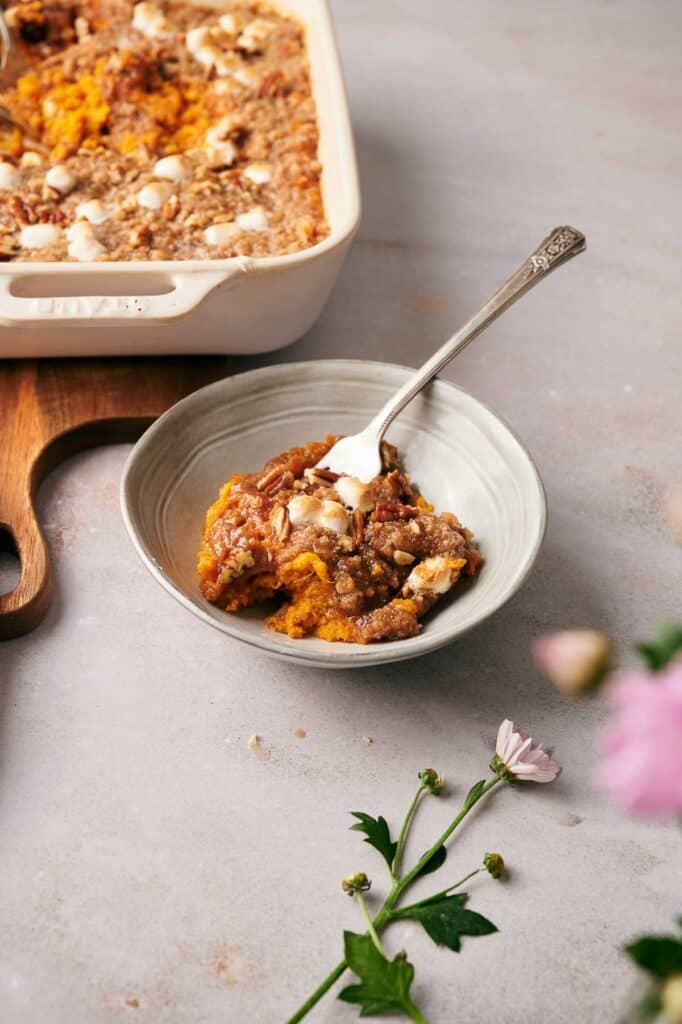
562, 244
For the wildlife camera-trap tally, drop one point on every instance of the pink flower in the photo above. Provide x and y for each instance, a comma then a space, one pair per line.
642, 747
515, 755
573, 659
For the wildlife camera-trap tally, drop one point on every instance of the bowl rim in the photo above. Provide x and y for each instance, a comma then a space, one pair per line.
339, 655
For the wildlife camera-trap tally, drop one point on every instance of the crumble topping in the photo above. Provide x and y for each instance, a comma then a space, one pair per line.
179, 131
348, 561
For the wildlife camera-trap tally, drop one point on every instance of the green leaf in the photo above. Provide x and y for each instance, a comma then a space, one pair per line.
473, 794
433, 863
660, 955
377, 834
662, 650
446, 920
384, 984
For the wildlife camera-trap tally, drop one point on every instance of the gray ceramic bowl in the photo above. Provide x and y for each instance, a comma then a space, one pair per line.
463, 458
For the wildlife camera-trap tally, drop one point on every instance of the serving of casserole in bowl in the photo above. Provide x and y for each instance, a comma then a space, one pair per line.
344, 589
186, 164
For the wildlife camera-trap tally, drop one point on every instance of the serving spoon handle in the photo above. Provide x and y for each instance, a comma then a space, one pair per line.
559, 246
359, 455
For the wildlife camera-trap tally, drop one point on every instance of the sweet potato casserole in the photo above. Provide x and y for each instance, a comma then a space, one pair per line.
164, 131
351, 561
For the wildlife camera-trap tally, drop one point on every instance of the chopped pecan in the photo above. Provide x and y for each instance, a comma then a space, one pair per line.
9, 248
388, 510
397, 482
141, 236
171, 207
358, 526
274, 84
389, 455
403, 557
20, 210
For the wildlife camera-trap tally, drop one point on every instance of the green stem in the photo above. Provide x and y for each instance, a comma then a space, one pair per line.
370, 925
395, 868
412, 1011
444, 892
321, 990
403, 883
396, 891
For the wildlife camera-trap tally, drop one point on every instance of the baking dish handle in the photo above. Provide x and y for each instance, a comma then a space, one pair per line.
187, 289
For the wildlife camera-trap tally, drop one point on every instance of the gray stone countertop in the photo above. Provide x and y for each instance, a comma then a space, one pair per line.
154, 870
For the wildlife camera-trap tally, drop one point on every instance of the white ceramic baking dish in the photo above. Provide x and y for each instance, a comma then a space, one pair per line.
236, 305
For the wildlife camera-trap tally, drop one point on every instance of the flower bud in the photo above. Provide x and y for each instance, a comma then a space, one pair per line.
358, 882
573, 659
494, 863
671, 999
432, 781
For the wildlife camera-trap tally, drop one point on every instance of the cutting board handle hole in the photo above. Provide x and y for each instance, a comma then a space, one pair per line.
54, 286
10, 566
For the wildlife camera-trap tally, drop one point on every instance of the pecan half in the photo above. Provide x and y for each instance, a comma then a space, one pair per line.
272, 477
314, 475
285, 480
281, 522
388, 510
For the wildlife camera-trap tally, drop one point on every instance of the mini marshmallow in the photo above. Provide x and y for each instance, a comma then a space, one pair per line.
82, 29
221, 154
253, 220
354, 493
60, 178
36, 236
31, 159
207, 55
259, 28
196, 38
227, 23
219, 131
305, 510
170, 167
148, 19
254, 34
9, 175
85, 248
434, 575
334, 517
94, 210
154, 195
221, 87
79, 230
221, 234
259, 174
224, 65
246, 76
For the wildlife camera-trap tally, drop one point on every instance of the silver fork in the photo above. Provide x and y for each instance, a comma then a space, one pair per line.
359, 455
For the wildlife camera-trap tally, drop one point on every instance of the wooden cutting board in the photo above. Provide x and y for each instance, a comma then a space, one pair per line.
52, 408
